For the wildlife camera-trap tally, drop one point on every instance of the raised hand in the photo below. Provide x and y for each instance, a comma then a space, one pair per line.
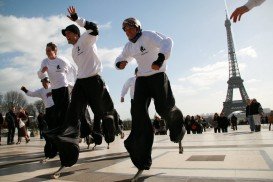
236, 15
72, 13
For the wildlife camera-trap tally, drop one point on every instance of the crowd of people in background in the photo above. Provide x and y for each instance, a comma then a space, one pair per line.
221, 122
18, 119
15, 118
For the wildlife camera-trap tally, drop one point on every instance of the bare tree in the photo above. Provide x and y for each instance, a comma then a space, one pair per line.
1, 103
14, 98
39, 104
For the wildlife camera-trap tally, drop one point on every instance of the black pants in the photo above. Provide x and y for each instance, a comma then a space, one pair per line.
86, 91
11, 132
217, 129
50, 118
86, 124
140, 141
224, 130
60, 97
50, 149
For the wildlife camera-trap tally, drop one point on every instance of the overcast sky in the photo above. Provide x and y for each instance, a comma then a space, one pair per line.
197, 68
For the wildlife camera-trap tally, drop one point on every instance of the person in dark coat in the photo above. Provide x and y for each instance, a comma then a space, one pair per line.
215, 123
249, 116
256, 111
188, 124
193, 125
223, 123
1, 125
11, 121
233, 120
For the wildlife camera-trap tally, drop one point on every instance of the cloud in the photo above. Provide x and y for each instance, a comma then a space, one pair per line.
106, 26
253, 81
24, 39
30, 35
247, 52
14, 78
207, 75
108, 56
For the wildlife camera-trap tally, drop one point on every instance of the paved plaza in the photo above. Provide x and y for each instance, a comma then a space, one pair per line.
231, 157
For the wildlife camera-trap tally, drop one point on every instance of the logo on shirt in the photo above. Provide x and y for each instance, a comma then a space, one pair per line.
79, 50
58, 68
143, 50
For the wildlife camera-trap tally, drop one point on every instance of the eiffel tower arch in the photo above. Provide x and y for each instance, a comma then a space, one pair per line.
235, 81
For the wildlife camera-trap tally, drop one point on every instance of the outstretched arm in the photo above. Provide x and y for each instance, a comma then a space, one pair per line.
90, 26
72, 13
236, 15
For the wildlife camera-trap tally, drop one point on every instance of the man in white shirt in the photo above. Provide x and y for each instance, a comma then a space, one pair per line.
238, 12
45, 94
88, 88
58, 68
151, 51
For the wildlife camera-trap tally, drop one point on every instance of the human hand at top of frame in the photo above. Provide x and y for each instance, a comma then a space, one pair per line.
236, 15
72, 13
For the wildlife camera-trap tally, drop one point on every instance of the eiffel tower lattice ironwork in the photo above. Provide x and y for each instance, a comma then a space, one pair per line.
235, 80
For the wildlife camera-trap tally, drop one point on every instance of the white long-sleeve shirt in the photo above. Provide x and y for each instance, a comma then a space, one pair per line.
58, 71
42, 93
253, 3
85, 53
129, 84
145, 50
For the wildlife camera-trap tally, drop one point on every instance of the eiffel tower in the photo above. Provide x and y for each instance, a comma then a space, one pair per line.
235, 80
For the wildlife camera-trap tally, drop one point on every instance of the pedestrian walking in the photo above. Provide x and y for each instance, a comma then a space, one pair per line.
11, 121
22, 118
233, 120
1, 125
270, 119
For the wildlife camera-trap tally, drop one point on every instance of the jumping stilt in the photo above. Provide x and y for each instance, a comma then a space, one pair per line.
94, 147
42, 161
88, 141
122, 135
180, 148
57, 174
135, 178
